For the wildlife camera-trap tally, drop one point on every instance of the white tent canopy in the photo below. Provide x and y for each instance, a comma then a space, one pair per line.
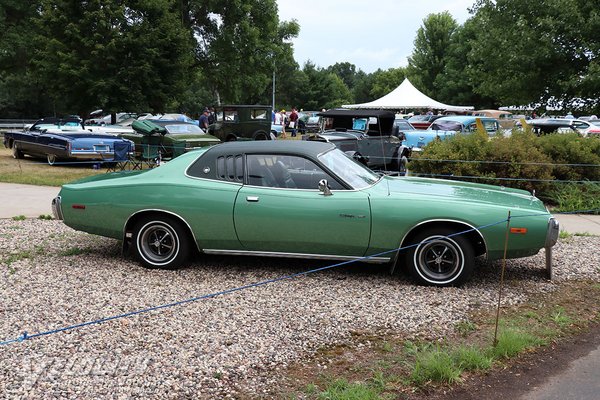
406, 96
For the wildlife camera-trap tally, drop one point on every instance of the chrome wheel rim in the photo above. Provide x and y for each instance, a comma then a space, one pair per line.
51, 159
439, 259
158, 243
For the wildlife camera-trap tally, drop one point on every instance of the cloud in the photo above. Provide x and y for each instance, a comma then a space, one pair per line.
379, 34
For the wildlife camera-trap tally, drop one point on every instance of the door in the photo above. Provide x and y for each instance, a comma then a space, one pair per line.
280, 209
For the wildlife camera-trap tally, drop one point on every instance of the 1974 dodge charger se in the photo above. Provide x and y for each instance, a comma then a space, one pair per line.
308, 200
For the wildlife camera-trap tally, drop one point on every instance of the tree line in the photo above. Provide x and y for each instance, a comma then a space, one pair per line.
72, 57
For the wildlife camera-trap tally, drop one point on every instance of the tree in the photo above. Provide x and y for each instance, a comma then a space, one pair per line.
117, 55
537, 50
384, 82
429, 54
456, 84
239, 43
324, 89
19, 93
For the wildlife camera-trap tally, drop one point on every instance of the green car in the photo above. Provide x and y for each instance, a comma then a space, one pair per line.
305, 200
169, 137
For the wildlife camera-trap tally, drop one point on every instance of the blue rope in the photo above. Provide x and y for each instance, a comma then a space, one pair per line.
26, 336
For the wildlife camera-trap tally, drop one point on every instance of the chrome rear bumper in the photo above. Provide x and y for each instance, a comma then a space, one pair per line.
56, 208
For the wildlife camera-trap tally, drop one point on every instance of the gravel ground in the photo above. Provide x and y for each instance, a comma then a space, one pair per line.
221, 347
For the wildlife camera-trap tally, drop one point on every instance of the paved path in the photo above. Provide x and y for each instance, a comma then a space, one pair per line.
28, 200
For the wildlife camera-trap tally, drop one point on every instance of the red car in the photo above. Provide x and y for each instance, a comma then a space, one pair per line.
423, 121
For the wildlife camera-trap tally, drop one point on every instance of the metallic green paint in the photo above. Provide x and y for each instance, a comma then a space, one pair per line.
225, 216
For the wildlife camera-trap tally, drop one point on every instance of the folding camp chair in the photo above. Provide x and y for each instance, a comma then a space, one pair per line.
122, 151
151, 150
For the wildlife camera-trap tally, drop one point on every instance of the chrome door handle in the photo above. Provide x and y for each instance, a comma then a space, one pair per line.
253, 199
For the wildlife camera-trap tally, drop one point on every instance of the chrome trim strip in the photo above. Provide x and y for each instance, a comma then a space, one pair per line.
374, 260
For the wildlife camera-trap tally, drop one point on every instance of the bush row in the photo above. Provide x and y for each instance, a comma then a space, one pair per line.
522, 159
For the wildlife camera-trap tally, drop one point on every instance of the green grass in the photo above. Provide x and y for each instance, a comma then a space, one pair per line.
341, 389
37, 172
46, 217
513, 341
19, 218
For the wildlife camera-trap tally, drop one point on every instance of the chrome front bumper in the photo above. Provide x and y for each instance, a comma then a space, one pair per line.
553, 232
56, 208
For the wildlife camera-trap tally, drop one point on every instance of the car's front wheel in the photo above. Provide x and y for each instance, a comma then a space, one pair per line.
439, 259
51, 159
161, 242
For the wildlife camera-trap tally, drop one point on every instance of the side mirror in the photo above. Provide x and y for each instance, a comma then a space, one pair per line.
324, 187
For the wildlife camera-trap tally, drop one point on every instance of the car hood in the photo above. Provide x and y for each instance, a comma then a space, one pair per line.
462, 192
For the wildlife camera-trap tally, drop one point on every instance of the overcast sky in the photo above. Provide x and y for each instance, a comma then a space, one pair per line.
370, 34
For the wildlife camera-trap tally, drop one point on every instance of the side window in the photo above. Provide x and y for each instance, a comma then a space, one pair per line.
258, 114
282, 171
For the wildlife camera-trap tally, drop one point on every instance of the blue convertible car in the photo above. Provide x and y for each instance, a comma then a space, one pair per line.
65, 139
445, 127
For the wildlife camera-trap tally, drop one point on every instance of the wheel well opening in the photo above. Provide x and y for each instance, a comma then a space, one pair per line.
472, 235
133, 220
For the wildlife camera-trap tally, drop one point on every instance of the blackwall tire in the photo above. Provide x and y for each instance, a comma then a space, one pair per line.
161, 242
440, 259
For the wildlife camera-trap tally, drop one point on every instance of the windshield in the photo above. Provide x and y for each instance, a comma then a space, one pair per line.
353, 173
441, 125
178, 129
403, 124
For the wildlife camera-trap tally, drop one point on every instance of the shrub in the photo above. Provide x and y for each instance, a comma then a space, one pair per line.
524, 159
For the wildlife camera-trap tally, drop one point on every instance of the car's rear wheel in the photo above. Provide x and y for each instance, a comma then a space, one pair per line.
17, 153
261, 136
51, 159
161, 242
231, 138
439, 259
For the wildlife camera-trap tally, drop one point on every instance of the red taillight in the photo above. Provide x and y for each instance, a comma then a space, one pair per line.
79, 206
521, 231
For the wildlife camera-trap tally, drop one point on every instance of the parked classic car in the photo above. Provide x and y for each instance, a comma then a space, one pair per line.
305, 200
445, 127
242, 122
505, 118
58, 139
369, 136
423, 121
170, 138
542, 126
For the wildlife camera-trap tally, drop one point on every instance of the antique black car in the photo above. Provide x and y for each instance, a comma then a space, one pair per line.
370, 136
242, 122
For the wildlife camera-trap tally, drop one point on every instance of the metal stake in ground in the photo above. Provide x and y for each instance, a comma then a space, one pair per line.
501, 279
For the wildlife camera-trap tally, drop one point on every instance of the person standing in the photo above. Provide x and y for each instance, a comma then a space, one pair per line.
283, 122
294, 121
203, 120
212, 117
